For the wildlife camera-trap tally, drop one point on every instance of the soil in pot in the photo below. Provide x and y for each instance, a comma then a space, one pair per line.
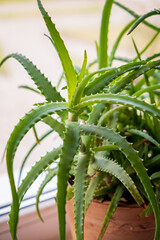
126, 224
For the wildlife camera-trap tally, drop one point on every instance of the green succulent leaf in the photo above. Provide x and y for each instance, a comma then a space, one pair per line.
52, 173
136, 15
69, 149
91, 189
18, 133
79, 193
83, 69
109, 166
35, 171
141, 19
121, 84
39, 79
29, 152
68, 68
103, 42
119, 99
133, 158
144, 135
111, 210
55, 125
105, 79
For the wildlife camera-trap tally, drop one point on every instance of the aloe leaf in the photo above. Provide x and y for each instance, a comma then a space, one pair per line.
35, 171
147, 89
155, 175
106, 148
133, 158
141, 19
111, 210
109, 166
119, 99
103, 80
18, 133
117, 42
154, 162
91, 189
121, 84
103, 42
52, 173
29, 152
62, 51
69, 149
79, 194
83, 69
55, 125
144, 135
136, 15
81, 86
108, 114
39, 79
29, 88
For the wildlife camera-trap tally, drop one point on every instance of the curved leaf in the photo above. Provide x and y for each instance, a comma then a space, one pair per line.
136, 15
39, 79
144, 135
69, 149
109, 166
35, 171
62, 51
121, 83
103, 80
119, 99
141, 19
18, 133
111, 210
55, 125
132, 156
47, 179
29, 152
79, 194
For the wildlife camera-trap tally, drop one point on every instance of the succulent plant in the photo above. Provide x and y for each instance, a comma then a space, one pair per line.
109, 125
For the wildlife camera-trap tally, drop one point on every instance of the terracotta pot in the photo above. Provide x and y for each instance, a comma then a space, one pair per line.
125, 224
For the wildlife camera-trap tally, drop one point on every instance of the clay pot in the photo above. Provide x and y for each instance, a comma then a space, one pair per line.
126, 223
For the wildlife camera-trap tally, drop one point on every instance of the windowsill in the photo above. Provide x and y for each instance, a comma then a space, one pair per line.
30, 226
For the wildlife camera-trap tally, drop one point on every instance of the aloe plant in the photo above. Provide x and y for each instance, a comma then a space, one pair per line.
109, 125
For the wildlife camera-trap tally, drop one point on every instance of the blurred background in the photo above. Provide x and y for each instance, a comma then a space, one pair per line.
22, 30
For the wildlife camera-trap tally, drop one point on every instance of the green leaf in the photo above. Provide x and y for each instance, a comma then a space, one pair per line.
111, 210
18, 133
133, 158
83, 69
109, 166
35, 171
121, 84
119, 99
141, 19
30, 151
91, 189
62, 51
69, 149
81, 86
79, 193
144, 135
136, 15
103, 80
103, 42
55, 125
52, 173
39, 79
